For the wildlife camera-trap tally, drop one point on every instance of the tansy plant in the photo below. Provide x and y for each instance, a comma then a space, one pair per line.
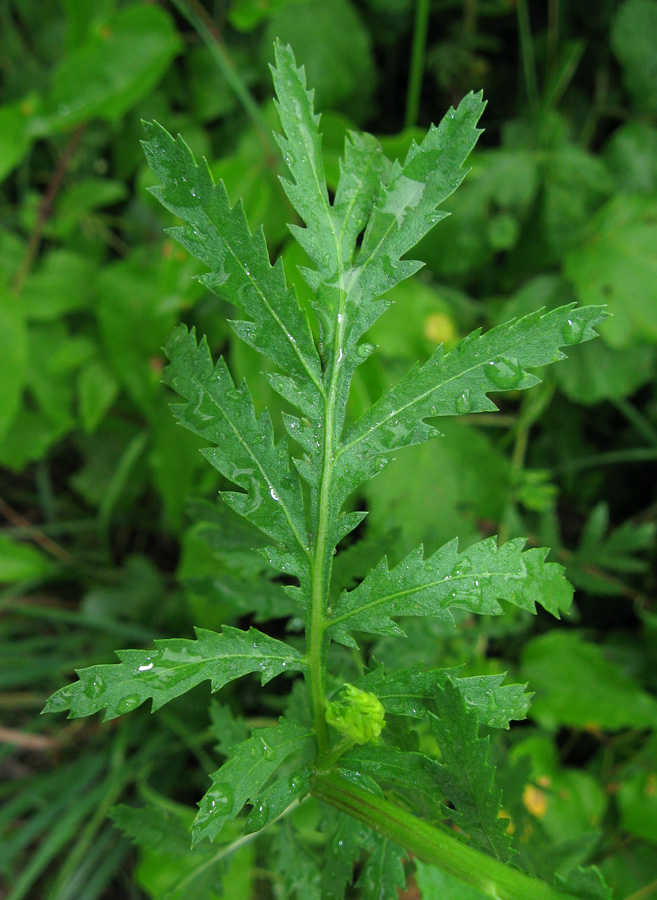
348, 746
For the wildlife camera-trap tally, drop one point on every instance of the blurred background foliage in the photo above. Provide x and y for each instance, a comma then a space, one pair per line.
108, 539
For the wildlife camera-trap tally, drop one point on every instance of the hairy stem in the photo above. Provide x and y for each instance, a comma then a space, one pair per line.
491, 877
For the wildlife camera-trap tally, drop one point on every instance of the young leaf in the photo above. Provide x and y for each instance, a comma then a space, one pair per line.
241, 272
243, 777
406, 208
467, 776
474, 580
173, 668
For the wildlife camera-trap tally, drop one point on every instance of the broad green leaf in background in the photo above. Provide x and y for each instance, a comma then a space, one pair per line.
577, 685
435, 884
637, 800
617, 265
22, 562
16, 141
633, 39
119, 63
13, 357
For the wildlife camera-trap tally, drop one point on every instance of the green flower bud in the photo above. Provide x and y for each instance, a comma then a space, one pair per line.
357, 714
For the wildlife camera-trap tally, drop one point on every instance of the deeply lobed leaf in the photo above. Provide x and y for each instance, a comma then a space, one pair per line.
244, 448
467, 778
240, 271
474, 580
173, 668
243, 777
412, 692
459, 382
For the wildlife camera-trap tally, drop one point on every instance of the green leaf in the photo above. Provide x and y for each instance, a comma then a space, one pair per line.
154, 828
474, 580
173, 668
406, 208
633, 39
577, 685
97, 390
120, 62
334, 45
341, 853
616, 265
415, 773
13, 357
459, 382
15, 138
276, 798
22, 562
242, 778
383, 872
295, 866
637, 801
467, 780
407, 692
435, 884
245, 451
219, 236
331, 231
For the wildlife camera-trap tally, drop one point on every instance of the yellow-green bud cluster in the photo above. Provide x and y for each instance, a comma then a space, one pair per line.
356, 714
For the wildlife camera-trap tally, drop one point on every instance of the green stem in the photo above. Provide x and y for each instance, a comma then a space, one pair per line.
643, 425
417, 63
527, 53
615, 457
203, 25
491, 877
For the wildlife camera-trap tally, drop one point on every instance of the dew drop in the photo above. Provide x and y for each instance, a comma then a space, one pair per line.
218, 801
505, 372
572, 332
464, 403
127, 704
268, 752
94, 688
259, 816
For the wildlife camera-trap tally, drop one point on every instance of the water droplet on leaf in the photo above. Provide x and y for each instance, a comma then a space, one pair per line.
127, 704
572, 332
268, 752
464, 403
94, 688
505, 372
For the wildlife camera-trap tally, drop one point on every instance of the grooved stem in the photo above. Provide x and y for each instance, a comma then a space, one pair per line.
493, 878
